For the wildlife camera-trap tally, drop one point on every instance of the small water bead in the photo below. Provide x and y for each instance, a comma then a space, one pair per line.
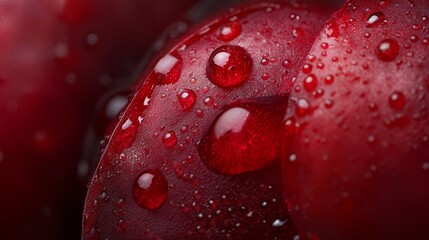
387, 50
290, 126
414, 38
229, 31
302, 107
187, 99
169, 139
375, 20
310, 83
265, 76
208, 101
416, 27
328, 103
200, 113
229, 66
243, 138
311, 58
307, 68
122, 225
329, 79
397, 100
150, 189
320, 65
265, 61
324, 45
287, 63
167, 70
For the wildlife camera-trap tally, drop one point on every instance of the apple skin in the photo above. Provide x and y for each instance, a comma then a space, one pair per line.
358, 165
56, 59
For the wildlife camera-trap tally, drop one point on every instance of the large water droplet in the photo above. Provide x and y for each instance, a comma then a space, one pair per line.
187, 99
387, 50
245, 137
397, 100
167, 70
229, 31
229, 66
375, 20
150, 189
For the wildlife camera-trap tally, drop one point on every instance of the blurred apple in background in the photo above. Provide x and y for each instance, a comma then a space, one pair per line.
57, 57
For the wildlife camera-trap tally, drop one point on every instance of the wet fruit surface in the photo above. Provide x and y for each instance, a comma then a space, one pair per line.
56, 59
359, 156
181, 128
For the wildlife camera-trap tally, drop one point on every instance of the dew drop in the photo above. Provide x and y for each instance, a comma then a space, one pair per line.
167, 70
387, 50
150, 189
208, 101
310, 83
245, 137
265, 76
324, 45
122, 225
287, 63
169, 139
229, 66
307, 68
229, 31
375, 20
397, 100
329, 79
187, 99
302, 107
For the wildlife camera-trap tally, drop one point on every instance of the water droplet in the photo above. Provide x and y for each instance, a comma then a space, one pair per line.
310, 83
167, 70
287, 63
290, 126
278, 223
329, 79
122, 225
169, 139
150, 189
397, 100
229, 31
265, 76
375, 20
229, 66
307, 68
387, 50
245, 137
208, 101
302, 107
328, 103
187, 99
324, 45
